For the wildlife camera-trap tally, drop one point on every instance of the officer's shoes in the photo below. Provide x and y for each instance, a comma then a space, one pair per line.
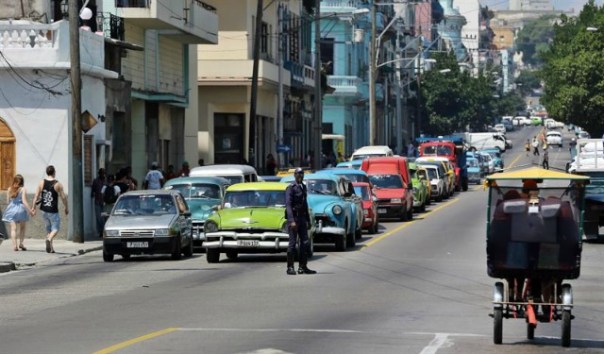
291, 271
305, 270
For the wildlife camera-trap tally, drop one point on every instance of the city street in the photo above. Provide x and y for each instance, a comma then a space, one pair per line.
415, 287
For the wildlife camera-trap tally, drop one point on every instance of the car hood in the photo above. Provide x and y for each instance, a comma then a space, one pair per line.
246, 218
473, 169
318, 203
124, 222
201, 209
389, 193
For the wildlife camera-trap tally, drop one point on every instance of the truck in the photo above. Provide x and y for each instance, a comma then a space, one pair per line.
483, 140
590, 162
451, 147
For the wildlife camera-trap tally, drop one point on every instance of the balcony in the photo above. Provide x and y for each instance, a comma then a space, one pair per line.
344, 85
309, 76
192, 23
339, 6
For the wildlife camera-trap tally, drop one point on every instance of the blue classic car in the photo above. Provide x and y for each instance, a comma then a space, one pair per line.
329, 199
474, 170
203, 195
353, 176
497, 158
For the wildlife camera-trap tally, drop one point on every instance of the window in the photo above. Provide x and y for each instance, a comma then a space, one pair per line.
327, 45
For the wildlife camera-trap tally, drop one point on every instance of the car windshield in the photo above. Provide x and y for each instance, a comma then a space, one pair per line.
198, 190
387, 181
439, 150
472, 163
254, 199
321, 186
362, 191
233, 179
147, 204
356, 177
365, 156
432, 173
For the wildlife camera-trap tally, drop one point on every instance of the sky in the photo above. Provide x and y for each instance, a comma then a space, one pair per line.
565, 5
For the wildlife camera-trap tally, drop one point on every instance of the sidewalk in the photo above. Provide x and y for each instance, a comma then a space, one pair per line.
36, 252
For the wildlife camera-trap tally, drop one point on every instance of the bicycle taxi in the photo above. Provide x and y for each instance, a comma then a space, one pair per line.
534, 228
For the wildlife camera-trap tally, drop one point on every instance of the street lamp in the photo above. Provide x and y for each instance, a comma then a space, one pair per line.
64, 8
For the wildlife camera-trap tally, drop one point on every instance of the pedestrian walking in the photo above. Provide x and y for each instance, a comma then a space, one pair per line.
545, 163
298, 222
96, 193
527, 147
154, 178
49, 191
535, 144
17, 212
170, 173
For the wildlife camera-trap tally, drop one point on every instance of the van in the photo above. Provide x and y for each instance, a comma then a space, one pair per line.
391, 180
371, 151
233, 173
484, 140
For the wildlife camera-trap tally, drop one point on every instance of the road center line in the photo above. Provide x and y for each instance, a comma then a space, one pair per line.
391, 232
515, 160
130, 342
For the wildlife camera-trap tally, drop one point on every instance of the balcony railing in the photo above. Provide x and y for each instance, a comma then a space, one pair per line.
344, 85
336, 6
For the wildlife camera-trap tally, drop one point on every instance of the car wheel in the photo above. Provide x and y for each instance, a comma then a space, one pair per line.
410, 214
340, 244
177, 251
358, 234
212, 255
311, 248
125, 257
188, 251
107, 257
232, 255
373, 228
351, 240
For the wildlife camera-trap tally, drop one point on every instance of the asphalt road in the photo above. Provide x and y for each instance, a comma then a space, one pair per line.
416, 287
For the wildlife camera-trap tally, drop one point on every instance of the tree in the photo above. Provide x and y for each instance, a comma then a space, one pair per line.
533, 39
527, 81
574, 81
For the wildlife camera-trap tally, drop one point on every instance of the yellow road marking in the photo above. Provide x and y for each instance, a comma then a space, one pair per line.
515, 160
130, 342
391, 232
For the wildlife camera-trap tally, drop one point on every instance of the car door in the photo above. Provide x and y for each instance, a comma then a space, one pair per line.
184, 216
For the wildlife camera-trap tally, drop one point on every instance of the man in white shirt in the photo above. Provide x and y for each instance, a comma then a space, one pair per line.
154, 178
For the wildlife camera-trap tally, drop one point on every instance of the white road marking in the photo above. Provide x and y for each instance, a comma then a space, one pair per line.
266, 351
439, 340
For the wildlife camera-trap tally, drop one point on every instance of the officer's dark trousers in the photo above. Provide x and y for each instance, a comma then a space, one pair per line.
302, 232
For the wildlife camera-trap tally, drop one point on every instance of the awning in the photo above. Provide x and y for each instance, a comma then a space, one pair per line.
536, 173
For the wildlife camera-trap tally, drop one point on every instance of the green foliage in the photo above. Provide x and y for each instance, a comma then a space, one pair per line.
533, 39
572, 70
455, 100
527, 81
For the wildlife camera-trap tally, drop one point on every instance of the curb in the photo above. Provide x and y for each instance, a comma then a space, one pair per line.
92, 249
7, 267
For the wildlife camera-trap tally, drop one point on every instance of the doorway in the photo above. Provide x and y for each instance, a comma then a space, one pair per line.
7, 155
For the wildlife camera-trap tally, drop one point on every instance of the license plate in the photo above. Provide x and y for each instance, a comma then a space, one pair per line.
247, 243
382, 211
137, 244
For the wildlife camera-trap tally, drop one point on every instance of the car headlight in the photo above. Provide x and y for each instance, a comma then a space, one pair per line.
162, 232
112, 233
396, 200
284, 227
337, 210
210, 226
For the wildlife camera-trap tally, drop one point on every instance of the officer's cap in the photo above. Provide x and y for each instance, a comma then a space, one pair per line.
298, 171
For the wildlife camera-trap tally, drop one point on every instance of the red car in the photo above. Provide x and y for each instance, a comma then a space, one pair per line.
370, 215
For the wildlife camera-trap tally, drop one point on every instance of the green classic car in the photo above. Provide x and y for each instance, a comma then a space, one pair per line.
421, 192
251, 219
203, 195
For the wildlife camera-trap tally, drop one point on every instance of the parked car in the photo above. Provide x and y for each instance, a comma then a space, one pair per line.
391, 179
250, 220
234, 173
329, 199
553, 138
371, 151
420, 191
352, 176
437, 181
498, 164
203, 195
369, 200
509, 126
355, 164
449, 174
148, 222
474, 170
500, 128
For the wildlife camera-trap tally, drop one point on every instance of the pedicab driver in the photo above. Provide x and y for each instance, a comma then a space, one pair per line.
298, 222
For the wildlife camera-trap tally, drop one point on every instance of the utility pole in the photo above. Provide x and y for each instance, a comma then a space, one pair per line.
76, 188
399, 114
318, 119
279, 120
372, 72
256, 50
419, 96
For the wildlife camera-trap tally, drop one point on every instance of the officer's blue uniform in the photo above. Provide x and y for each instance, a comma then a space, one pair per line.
297, 210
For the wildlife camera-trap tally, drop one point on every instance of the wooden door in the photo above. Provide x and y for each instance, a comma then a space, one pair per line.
7, 156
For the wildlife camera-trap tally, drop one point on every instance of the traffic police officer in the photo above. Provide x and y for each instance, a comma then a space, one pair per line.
298, 222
